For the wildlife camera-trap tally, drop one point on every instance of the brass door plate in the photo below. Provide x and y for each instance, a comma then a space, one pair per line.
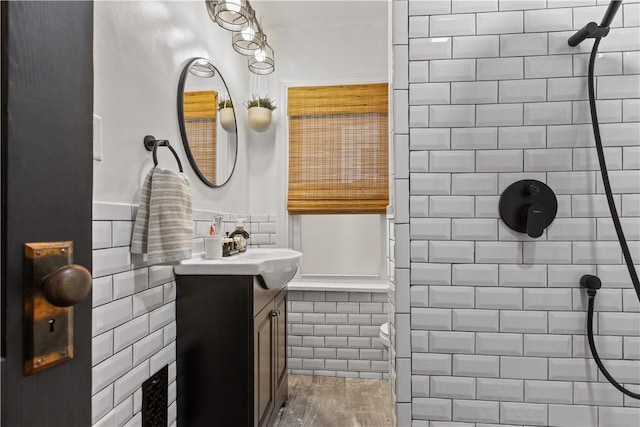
48, 329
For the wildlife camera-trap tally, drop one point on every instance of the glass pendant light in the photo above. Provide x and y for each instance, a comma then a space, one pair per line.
202, 68
262, 61
231, 14
250, 39
211, 8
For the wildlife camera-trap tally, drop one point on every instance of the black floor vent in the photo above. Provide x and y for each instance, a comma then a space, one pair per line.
154, 399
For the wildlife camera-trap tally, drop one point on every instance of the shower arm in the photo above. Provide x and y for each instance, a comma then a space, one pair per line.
593, 30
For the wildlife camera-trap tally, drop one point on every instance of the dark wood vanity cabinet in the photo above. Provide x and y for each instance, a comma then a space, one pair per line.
231, 351
270, 360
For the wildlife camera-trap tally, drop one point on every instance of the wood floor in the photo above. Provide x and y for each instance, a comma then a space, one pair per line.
316, 401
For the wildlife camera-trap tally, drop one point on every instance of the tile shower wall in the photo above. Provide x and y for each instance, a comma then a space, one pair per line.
392, 297
490, 324
134, 327
392, 302
337, 334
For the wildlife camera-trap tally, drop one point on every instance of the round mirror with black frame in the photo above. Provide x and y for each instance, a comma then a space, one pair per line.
207, 122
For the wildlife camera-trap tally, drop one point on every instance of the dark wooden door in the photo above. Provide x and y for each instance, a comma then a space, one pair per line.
263, 366
47, 174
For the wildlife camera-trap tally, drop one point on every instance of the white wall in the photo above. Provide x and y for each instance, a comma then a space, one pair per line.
140, 48
491, 325
315, 43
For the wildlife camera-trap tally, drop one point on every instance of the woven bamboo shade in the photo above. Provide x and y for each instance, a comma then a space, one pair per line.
200, 124
200, 105
338, 149
345, 99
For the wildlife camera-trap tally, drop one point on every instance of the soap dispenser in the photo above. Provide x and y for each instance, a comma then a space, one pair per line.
240, 236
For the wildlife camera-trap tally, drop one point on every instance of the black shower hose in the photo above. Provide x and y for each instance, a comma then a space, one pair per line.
616, 223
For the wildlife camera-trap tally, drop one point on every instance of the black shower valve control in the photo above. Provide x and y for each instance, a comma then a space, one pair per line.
532, 189
534, 219
528, 206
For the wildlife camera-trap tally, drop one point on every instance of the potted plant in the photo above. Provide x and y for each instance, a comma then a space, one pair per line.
259, 112
227, 115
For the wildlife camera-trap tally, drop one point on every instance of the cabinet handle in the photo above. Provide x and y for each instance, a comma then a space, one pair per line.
274, 313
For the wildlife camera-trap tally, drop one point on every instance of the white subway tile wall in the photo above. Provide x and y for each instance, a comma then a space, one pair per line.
497, 320
134, 327
337, 334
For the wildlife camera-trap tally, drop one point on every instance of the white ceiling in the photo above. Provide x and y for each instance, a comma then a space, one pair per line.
323, 40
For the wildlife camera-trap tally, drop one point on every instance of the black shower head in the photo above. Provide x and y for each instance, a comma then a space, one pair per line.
592, 29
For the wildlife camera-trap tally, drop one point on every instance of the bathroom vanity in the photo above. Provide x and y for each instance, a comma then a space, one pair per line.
232, 340
231, 350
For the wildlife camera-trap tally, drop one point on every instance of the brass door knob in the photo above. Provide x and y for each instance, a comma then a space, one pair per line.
67, 286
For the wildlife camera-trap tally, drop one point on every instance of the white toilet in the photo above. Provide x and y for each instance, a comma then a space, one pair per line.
384, 334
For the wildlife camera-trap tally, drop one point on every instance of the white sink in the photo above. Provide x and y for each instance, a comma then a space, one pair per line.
276, 266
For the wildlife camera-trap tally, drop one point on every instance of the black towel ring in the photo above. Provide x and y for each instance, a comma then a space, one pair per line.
152, 144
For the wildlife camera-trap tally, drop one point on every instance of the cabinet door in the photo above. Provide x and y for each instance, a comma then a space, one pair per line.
281, 338
263, 395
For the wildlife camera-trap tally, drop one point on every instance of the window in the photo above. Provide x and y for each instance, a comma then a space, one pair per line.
338, 149
338, 188
340, 245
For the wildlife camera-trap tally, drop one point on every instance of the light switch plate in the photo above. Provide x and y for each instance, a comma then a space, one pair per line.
97, 138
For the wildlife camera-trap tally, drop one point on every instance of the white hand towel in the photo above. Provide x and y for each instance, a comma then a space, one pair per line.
163, 228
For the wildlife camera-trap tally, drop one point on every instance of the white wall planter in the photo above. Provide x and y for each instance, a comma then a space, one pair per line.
259, 118
227, 119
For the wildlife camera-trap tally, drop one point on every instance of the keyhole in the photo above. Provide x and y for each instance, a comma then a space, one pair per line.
51, 322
